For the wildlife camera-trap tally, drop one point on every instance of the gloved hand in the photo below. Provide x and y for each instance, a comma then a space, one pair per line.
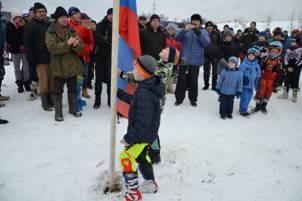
218, 92
238, 94
197, 32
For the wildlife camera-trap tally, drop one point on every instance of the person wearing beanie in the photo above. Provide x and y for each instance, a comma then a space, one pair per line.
86, 35
251, 76
103, 42
143, 126
249, 36
211, 53
38, 56
262, 46
153, 38
227, 49
15, 42
229, 85
142, 21
63, 43
171, 42
194, 38
293, 65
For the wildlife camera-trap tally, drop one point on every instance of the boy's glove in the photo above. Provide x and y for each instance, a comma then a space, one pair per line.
218, 92
238, 94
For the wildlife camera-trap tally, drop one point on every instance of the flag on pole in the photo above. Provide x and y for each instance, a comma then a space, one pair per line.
129, 47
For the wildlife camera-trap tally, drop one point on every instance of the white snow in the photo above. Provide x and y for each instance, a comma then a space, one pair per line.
203, 157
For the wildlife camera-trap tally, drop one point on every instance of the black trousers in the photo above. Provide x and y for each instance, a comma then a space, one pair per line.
60, 82
145, 167
292, 79
210, 61
187, 78
226, 104
102, 75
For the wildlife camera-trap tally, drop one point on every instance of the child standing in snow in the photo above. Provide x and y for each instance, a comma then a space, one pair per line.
143, 126
270, 68
293, 64
229, 85
251, 76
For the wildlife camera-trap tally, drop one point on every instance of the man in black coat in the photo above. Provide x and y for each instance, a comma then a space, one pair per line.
211, 53
152, 39
103, 43
37, 53
249, 36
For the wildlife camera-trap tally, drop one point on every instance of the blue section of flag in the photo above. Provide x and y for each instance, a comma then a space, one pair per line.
125, 60
131, 4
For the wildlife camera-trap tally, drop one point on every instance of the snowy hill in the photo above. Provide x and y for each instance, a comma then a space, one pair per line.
203, 157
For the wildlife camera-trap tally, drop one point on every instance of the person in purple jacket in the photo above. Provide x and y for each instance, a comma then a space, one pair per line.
194, 38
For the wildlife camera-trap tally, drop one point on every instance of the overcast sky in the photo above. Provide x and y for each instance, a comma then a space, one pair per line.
216, 10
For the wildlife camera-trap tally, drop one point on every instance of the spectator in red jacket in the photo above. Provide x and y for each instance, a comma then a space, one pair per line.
87, 37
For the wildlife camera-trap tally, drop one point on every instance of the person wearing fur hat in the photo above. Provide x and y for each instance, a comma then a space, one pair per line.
229, 85
143, 126
15, 42
38, 56
293, 65
153, 38
211, 53
171, 42
63, 43
194, 38
86, 35
270, 68
251, 76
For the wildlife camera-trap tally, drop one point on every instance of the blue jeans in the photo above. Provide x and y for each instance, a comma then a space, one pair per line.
245, 99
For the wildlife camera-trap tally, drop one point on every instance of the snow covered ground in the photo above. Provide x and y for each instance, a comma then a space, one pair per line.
203, 157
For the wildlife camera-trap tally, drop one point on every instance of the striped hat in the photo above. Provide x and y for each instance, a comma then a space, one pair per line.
146, 65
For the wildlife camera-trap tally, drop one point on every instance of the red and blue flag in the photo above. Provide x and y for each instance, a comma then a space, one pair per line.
129, 47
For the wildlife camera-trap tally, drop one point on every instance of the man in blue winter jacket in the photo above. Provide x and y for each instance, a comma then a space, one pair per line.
194, 39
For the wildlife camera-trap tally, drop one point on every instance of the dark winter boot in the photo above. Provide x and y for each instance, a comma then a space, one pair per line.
72, 101
97, 102
295, 95
45, 103
264, 104
50, 99
2, 121
131, 182
57, 99
27, 85
20, 86
258, 105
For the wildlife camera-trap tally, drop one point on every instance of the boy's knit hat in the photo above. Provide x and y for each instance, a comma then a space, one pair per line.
233, 60
253, 50
174, 56
154, 16
146, 65
109, 11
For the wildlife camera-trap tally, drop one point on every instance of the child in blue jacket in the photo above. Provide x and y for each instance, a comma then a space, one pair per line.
229, 85
251, 75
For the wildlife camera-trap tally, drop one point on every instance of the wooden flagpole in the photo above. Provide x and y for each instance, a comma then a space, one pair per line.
114, 64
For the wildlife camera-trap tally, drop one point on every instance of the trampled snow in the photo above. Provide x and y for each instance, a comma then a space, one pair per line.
203, 157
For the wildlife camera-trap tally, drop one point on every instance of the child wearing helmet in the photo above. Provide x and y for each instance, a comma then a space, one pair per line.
270, 67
